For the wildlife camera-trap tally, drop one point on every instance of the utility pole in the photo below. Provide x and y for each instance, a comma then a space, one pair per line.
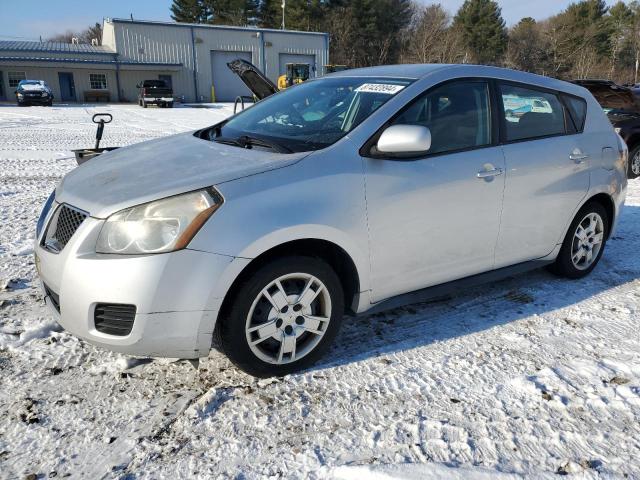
284, 4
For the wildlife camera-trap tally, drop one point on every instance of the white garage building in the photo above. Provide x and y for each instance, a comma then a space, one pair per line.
192, 57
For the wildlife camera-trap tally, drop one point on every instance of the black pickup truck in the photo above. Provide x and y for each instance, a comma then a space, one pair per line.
622, 106
155, 92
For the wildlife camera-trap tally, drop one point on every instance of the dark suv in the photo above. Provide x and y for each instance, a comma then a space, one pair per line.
622, 106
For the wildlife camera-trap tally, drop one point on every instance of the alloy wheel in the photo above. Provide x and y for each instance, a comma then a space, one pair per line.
288, 318
587, 241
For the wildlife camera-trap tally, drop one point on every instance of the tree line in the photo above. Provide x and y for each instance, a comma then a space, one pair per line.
586, 40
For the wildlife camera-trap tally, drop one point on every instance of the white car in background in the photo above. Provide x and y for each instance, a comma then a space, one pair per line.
339, 195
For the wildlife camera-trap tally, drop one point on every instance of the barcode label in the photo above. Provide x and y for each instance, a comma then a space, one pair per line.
386, 88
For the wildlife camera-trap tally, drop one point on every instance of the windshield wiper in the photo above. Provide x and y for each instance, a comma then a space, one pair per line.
247, 141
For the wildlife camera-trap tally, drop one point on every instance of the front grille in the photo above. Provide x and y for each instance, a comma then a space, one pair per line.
114, 319
64, 223
53, 296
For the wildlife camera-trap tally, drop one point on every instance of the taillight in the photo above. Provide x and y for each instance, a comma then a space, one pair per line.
623, 153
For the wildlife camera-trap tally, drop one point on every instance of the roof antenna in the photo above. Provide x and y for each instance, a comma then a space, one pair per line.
131, 15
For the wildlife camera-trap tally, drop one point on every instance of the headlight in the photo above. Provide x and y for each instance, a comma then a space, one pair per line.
158, 227
20, 95
44, 212
45, 94
618, 130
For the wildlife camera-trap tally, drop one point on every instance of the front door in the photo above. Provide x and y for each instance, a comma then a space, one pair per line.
547, 173
67, 87
436, 218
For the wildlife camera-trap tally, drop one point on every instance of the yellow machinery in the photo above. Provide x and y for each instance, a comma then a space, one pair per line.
296, 73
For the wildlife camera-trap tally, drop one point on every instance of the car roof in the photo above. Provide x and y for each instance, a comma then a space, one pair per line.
418, 71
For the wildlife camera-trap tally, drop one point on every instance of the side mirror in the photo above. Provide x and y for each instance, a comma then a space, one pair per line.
404, 140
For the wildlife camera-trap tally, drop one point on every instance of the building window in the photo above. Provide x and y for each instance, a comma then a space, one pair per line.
15, 78
98, 81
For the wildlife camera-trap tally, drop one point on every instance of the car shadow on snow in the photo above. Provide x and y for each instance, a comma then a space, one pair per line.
483, 307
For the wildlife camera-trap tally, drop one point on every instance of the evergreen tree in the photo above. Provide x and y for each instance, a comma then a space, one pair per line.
270, 14
189, 11
483, 30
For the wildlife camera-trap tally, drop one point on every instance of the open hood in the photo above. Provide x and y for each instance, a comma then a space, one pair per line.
253, 78
611, 95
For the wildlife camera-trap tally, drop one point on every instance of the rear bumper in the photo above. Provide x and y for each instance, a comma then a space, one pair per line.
177, 295
158, 99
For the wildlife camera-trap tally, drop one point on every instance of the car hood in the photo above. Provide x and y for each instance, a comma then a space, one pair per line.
253, 78
612, 96
160, 168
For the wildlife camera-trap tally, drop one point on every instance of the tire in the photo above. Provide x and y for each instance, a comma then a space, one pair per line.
144, 104
564, 265
169, 105
633, 169
249, 310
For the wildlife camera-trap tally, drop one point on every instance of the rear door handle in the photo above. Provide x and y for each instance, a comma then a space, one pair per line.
578, 157
489, 173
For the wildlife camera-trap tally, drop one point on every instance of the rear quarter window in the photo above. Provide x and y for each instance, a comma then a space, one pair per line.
577, 110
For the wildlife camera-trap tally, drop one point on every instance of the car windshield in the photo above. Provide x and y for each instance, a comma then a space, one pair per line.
310, 116
31, 82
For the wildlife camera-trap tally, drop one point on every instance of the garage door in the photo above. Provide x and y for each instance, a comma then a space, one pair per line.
227, 85
295, 58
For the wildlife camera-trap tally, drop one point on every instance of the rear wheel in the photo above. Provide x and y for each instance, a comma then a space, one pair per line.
282, 318
584, 243
633, 169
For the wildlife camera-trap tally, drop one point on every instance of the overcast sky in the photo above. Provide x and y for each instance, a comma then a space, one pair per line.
35, 18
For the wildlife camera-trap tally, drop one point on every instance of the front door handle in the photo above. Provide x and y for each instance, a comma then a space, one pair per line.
489, 173
578, 157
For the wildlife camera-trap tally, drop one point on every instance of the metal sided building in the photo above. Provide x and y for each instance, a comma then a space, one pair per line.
191, 57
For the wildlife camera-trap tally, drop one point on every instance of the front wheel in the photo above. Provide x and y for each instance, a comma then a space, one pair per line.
633, 169
584, 244
283, 317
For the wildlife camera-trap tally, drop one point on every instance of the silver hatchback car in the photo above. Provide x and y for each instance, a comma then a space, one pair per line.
360, 190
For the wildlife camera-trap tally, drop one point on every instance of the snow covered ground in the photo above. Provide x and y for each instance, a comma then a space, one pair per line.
532, 376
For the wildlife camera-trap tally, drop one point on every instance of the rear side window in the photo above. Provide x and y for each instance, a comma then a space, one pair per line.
458, 115
578, 111
530, 113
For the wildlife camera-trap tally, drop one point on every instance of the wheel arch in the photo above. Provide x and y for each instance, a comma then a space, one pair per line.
334, 255
608, 204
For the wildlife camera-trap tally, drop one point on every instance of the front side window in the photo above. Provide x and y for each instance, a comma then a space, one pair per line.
15, 78
530, 113
311, 115
458, 114
98, 81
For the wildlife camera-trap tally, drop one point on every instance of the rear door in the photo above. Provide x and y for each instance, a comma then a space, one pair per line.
434, 219
547, 172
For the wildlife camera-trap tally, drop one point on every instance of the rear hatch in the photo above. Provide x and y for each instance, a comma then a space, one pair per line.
612, 96
253, 78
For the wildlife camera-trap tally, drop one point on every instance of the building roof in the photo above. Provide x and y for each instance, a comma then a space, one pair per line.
206, 25
53, 47
83, 61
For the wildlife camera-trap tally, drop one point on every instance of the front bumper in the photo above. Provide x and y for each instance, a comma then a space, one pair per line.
177, 295
35, 100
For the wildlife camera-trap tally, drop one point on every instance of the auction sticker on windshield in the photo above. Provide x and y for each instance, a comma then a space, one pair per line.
387, 88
